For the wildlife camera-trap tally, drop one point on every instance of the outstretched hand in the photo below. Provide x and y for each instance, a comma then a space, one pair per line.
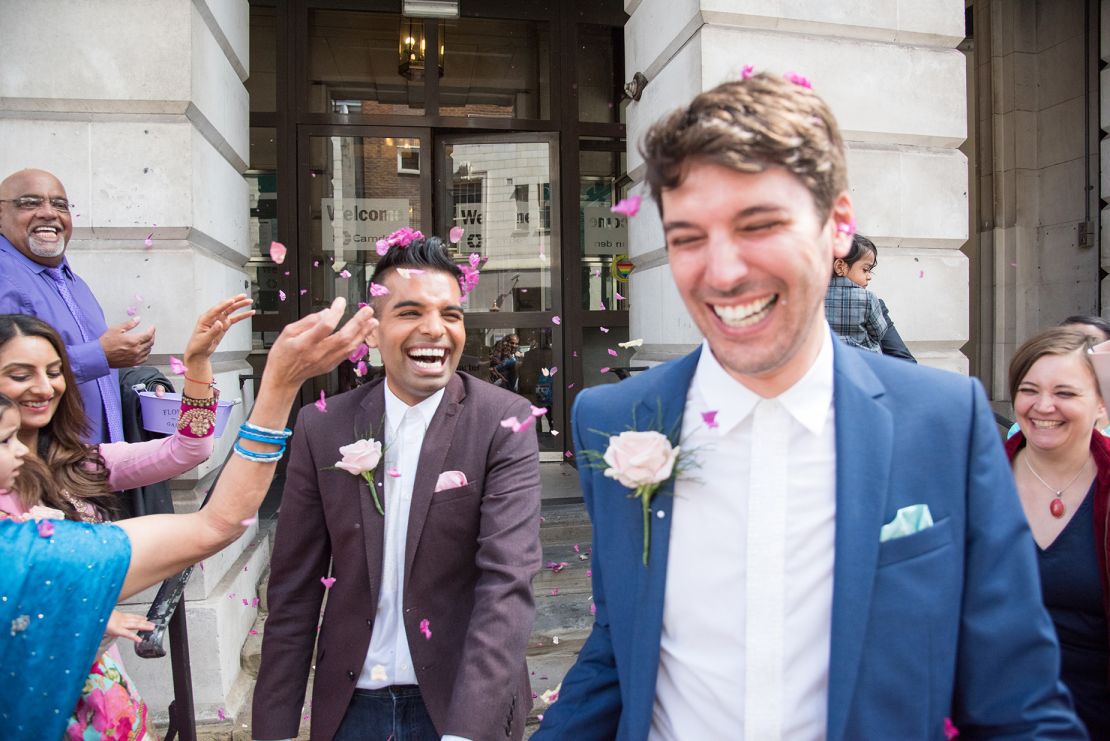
310, 346
213, 324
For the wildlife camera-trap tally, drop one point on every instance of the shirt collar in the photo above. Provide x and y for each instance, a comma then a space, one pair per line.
6, 246
808, 401
395, 409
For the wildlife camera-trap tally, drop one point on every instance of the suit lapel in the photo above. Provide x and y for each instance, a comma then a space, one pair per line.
370, 422
864, 442
437, 441
662, 404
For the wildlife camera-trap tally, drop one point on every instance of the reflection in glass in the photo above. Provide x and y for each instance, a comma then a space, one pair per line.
264, 275
520, 360
262, 83
500, 193
598, 360
605, 264
495, 68
353, 65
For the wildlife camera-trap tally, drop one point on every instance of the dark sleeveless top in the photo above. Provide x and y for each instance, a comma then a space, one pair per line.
1073, 595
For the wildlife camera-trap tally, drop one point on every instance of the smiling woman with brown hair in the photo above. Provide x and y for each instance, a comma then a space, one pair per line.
1062, 468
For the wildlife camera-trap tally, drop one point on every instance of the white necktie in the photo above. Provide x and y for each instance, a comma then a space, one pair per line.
766, 573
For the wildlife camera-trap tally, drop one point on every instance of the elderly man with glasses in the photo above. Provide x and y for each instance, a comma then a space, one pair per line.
35, 278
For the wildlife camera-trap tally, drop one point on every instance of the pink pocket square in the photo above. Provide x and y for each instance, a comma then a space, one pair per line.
450, 480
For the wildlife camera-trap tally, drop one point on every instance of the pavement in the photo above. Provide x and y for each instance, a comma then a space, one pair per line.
563, 600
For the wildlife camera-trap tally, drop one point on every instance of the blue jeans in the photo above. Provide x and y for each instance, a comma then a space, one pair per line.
394, 713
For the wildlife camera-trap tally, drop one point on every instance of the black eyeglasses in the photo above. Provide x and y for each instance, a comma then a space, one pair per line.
33, 203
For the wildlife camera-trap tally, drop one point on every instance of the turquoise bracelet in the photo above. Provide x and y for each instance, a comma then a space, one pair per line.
271, 439
266, 430
254, 457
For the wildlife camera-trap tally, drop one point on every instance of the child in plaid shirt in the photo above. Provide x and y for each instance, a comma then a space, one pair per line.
853, 312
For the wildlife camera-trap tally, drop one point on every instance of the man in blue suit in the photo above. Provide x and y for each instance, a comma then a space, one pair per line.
841, 554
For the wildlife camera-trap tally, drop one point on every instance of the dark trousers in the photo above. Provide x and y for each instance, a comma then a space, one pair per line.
394, 713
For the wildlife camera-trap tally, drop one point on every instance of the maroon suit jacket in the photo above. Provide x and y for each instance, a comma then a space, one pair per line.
470, 557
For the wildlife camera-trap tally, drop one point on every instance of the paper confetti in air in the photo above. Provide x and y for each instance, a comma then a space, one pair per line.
455, 234
474, 259
304, 291
281, 294
393, 473
605, 369
149, 241
359, 353
631, 343
611, 351
321, 403
344, 273
556, 320
46, 528
376, 289
710, 419
627, 206
176, 366
604, 330
327, 581
425, 628
277, 252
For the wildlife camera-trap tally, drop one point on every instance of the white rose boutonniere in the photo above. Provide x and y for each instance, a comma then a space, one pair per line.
642, 461
360, 458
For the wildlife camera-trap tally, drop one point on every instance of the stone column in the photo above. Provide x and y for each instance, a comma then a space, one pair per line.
139, 107
893, 77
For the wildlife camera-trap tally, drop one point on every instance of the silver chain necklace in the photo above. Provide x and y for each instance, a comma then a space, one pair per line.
1056, 507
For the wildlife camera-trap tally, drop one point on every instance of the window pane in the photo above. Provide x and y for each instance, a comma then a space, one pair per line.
598, 361
599, 60
496, 194
605, 265
266, 277
495, 68
522, 361
353, 60
262, 83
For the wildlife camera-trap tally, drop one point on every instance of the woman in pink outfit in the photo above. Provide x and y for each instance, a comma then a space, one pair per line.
35, 372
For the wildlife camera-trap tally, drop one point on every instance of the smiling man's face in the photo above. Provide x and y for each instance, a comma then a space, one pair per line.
40, 233
751, 257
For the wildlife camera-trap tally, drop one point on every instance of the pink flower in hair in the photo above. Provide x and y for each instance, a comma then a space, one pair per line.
747, 71
797, 79
469, 279
403, 237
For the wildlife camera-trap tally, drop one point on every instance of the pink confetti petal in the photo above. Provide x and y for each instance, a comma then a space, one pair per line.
281, 294
361, 369
604, 330
221, 714
921, 274
344, 273
797, 79
555, 592
455, 234
577, 548
252, 632
474, 259
315, 263
425, 629
46, 528
286, 273
393, 473
593, 609
570, 386
249, 521
132, 310
304, 291
747, 71
277, 252
589, 573
255, 601
359, 353
568, 454
556, 320
176, 366
538, 411
376, 289
605, 369
554, 369
149, 241
321, 403
618, 296
603, 306
710, 419
611, 351
627, 206
327, 581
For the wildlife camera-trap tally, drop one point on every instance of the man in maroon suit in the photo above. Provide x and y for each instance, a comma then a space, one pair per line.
429, 594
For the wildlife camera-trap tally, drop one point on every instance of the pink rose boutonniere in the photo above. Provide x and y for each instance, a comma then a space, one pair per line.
360, 458
642, 461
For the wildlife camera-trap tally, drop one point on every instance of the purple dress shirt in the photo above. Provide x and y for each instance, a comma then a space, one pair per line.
25, 288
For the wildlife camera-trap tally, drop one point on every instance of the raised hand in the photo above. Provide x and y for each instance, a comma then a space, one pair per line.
310, 346
213, 324
125, 349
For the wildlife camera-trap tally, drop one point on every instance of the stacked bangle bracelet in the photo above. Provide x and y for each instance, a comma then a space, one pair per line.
198, 416
248, 431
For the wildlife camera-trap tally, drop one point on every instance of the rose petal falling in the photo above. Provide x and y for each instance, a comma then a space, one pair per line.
474, 259
747, 71
304, 291
617, 295
611, 351
277, 252
604, 330
281, 295
455, 234
361, 369
344, 273
710, 419
321, 403
176, 366
797, 79
556, 320
132, 310
627, 206
605, 369
327, 581
149, 241
46, 528
425, 629
377, 289
393, 473
221, 714
315, 263
359, 353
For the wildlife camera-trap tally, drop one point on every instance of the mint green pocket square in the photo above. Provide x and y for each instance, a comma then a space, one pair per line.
907, 521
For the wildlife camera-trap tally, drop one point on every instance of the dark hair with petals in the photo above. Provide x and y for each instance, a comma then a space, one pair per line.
74, 467
751, 125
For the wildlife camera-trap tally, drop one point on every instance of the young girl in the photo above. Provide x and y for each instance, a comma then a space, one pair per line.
11, 450
854, 313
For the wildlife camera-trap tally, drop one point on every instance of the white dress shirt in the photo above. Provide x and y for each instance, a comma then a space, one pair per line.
701, 688
388, 660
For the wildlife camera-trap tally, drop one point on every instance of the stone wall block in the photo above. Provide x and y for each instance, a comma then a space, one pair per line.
1063, 192
140, 173
655, 32
62, 148
138, 52
217, 91
674, 86
220, 199
232, 19
910, 278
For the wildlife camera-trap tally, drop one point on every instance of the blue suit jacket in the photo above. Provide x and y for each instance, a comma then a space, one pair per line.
946, 622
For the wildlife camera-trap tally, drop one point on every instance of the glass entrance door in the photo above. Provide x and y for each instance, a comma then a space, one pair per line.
502, 190
357, 185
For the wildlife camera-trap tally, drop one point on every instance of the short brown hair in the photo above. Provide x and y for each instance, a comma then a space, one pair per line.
1055, 341
751, 125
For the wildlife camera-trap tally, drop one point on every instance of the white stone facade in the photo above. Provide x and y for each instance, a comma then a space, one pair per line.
894, 79
139, 107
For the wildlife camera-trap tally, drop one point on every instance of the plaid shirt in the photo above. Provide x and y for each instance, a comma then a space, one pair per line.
855, 314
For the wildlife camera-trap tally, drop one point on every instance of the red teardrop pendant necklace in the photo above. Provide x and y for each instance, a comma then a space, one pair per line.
1056, 507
